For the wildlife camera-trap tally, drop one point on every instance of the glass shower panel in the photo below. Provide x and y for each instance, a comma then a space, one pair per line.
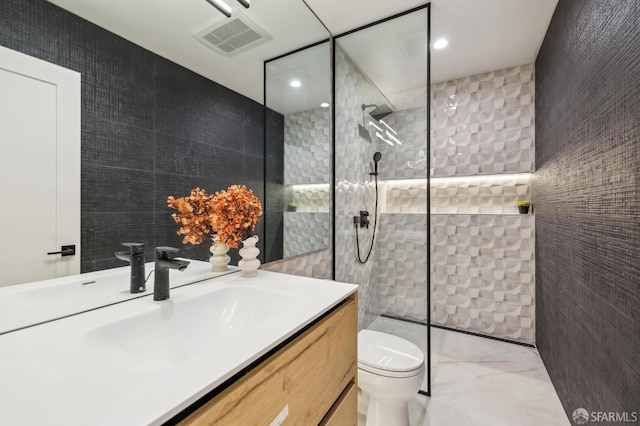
381, 97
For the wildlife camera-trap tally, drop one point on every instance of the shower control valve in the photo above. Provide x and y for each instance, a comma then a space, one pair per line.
363, 219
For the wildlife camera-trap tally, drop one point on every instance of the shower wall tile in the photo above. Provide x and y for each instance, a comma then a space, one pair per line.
484, 124
353, 185
306, 160
150, 128
482, 270
482, 274
405, 196
312, 144
305, 232
406, 160
312, 198
401, 265
314, 265
307, 142
317, 264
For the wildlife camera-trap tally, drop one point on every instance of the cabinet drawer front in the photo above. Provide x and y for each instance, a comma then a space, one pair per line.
304, 378
345, 410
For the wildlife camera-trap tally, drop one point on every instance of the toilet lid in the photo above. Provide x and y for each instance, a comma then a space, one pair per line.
384, 353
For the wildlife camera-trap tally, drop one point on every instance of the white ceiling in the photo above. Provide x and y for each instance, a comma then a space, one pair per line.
487, 35
343, 15
166, 28
484, 35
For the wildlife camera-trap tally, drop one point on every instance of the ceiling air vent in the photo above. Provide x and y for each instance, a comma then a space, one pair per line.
231, 36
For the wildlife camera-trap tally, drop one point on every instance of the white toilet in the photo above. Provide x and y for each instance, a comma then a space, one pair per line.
390, 373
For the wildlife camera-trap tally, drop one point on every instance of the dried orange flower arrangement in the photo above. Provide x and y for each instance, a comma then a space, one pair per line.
235, 213
195, 215
228, 217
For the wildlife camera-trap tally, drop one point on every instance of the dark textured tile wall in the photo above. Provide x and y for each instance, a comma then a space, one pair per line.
274, 178
586, 193
150, 128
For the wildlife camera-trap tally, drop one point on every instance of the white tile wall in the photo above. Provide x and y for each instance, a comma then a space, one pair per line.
307, 144
484, 124
482, 269
354, 186
305, 232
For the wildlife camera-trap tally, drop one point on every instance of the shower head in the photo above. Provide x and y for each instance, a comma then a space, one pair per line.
377, 156
379, 112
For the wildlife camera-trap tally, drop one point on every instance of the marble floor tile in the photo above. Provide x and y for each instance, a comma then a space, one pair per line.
479, 382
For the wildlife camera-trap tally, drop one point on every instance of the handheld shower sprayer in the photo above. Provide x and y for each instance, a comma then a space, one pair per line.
376, 157
363, 219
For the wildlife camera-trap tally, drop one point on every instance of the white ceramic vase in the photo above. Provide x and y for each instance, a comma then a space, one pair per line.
249, 252
219, 259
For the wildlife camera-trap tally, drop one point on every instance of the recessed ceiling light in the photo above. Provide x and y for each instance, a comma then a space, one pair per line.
440, 43
324, 105
295, 83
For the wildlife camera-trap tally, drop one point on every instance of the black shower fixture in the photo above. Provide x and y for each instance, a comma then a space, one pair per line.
376, 157
380, 111
362, 220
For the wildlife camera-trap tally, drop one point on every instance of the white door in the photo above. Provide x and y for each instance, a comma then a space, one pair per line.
39, 168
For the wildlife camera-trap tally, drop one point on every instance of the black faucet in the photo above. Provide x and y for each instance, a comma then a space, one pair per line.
136, 258
163, 264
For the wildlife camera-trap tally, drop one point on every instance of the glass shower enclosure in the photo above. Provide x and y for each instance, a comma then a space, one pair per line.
381, 193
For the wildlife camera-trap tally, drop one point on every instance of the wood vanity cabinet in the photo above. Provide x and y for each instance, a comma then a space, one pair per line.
312, 379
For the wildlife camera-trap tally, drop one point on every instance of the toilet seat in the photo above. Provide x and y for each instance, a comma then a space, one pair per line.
387, 355
390, 374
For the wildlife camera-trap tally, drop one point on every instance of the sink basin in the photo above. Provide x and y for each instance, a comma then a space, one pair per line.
172, 332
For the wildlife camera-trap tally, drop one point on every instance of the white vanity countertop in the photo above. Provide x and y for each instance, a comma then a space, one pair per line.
142, 362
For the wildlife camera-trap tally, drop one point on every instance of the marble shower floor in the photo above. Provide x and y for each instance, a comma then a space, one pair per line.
479, 382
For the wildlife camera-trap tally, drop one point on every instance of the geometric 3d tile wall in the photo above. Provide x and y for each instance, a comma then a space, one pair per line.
306, 147
401, 265
353, 185
305, 232
484, 124
482, 273
317, 264
406, 160
311, 198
